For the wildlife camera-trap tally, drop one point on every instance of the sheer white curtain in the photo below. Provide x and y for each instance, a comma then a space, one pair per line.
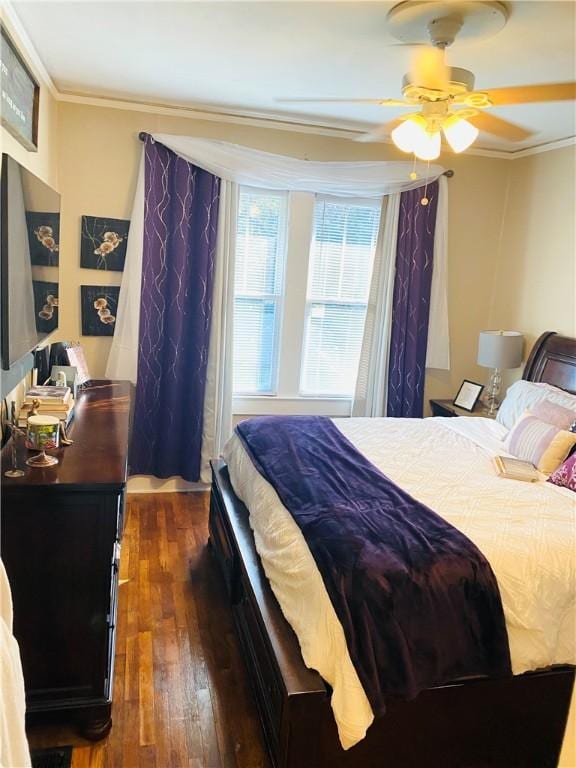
254, 168
218, 398
123, 357
372, 382
438, 349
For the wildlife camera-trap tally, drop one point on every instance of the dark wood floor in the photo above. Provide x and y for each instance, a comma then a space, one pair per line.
181, 694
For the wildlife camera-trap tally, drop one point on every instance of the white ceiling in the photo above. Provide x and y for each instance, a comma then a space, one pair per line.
244, 55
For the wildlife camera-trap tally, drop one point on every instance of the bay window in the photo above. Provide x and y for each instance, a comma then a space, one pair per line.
303, 271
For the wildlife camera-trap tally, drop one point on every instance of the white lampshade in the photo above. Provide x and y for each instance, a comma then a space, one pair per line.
427, 145
460, 134
412, 135
500, 349
404, 135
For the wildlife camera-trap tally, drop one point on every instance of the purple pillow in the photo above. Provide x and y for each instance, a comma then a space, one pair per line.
565, 475
552, 413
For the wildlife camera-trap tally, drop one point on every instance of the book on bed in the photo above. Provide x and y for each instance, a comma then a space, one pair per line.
515, 469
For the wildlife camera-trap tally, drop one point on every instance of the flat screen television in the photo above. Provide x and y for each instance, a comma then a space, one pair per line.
29, 257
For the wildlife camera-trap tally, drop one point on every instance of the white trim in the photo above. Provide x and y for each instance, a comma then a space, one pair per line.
277, 121
570, 141
297, 264
288, 406
151, 484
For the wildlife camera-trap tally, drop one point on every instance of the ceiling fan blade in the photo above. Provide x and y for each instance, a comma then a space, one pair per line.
526, 94
379, 133
498, 127
321, 100
429, 69
406, 45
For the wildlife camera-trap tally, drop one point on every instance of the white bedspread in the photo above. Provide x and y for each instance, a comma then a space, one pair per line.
525, 530
13, 745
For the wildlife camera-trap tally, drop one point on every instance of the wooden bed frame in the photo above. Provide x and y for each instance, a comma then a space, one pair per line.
473, 724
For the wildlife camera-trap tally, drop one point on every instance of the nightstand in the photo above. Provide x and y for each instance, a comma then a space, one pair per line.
447, 408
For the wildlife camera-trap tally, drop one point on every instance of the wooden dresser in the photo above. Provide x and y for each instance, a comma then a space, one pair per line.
60, 542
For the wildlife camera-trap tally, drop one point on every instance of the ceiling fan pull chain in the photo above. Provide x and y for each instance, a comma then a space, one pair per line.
413, 174
425, 200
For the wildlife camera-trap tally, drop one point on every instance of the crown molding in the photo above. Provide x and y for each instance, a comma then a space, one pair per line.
26, 47
280, 121
254, 118
569, 141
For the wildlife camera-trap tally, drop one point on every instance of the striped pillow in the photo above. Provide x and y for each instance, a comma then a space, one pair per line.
544, 445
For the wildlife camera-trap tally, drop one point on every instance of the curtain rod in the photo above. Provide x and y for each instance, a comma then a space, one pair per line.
449, 173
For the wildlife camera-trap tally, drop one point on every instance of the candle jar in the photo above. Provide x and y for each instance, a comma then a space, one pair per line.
42, 432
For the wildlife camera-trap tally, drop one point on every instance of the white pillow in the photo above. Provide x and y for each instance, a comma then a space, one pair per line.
524, 395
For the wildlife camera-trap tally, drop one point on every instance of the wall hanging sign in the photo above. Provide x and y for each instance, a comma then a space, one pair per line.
19, 93
103, 243
99, 305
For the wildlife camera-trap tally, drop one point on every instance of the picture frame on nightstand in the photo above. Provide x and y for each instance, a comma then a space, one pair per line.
468, 395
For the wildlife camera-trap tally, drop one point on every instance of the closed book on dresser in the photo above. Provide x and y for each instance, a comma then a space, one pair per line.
60, 542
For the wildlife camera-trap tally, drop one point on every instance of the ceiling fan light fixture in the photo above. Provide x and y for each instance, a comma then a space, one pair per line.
414, 135
427, 145
407, 133
459, 133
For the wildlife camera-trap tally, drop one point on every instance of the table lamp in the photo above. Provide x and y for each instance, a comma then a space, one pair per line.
498, 350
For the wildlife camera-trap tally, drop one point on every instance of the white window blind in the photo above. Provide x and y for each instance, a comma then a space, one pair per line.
258, 289
341, 257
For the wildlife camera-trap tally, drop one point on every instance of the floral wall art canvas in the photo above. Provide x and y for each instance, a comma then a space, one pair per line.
43, 238
103, 243
45, 305
99, 306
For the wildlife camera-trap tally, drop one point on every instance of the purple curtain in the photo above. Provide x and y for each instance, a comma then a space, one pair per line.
180, 219
411, 302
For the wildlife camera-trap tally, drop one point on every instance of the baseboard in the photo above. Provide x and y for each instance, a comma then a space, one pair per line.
151, 484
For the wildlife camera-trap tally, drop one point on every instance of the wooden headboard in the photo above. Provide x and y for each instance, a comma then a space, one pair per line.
553, 360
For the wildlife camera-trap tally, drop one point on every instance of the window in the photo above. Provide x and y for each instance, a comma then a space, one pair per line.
341, 256
301, 290
258, 289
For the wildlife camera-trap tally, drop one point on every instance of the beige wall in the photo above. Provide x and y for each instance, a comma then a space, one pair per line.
99, 151
535, 279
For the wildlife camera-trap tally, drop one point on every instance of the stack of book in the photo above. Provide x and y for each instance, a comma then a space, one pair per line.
54, 401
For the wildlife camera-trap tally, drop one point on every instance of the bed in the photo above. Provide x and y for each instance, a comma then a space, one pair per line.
481, 722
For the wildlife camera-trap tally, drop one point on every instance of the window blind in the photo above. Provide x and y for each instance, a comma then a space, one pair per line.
258, 289
341, 258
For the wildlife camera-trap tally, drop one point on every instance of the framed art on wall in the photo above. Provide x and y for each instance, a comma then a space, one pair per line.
99, 304
468, 395
103, 243
20, 94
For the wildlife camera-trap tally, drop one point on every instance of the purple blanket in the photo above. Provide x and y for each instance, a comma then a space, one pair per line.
417, 600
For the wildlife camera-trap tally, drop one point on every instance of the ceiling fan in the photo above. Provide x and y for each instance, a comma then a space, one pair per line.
445, 96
